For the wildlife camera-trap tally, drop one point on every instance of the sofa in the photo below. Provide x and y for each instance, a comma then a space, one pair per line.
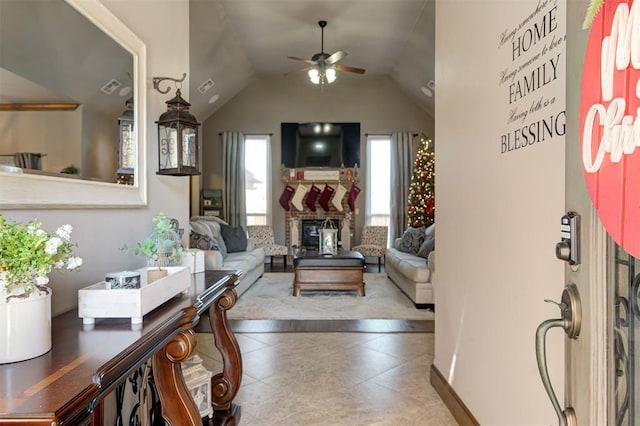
410, 264
227, 248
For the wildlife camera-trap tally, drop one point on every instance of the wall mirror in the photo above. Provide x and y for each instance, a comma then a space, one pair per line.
76, 68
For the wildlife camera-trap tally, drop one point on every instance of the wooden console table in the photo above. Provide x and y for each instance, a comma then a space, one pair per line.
68, 384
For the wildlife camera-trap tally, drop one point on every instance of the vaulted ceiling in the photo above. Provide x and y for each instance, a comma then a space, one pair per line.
233, 41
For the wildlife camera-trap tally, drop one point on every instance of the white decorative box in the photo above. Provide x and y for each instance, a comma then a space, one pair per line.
194, 259
97, 301
321, 174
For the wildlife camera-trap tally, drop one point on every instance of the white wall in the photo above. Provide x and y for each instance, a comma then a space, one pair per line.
378, 105
497, 213
100, 232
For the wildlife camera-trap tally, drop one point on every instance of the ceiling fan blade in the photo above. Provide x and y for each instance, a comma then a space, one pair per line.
335, 57
298, 70
295, 58
350, 69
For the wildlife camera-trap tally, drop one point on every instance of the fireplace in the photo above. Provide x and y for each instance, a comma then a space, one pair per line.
310, 231
295, 217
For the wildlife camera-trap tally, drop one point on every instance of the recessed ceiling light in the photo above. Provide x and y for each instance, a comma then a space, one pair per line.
214, 98
427, 91
125, 91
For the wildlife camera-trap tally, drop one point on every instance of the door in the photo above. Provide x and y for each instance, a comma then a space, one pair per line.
600, 363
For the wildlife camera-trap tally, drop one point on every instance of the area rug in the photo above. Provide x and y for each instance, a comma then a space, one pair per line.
270, 298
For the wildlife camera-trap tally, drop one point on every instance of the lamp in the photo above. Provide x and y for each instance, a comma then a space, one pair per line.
177, 135
127, 148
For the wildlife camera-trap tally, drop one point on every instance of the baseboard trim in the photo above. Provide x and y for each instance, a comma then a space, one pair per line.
451, 399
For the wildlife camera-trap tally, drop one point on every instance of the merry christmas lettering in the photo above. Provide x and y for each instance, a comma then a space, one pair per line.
620, 132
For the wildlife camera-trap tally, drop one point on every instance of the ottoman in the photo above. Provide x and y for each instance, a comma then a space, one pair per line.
314, 271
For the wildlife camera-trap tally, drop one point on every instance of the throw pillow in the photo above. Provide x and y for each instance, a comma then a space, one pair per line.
427, 247
412, 240
430, 231
202, 242
235, 238
221, 245
208, 219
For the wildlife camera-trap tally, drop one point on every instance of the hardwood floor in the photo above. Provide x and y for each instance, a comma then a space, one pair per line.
330, 326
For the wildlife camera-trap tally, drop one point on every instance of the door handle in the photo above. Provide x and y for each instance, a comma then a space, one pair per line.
570, 322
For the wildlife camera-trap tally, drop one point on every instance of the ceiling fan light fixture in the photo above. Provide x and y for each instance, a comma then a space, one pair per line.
314, 76
323, 67
330, 73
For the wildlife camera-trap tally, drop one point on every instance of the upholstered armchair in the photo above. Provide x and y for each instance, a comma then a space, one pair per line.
373, 243
263, 237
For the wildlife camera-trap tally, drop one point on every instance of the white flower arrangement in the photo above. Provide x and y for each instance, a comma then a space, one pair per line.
28, 254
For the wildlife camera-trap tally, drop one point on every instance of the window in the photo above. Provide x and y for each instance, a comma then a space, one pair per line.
378, 172
257, 166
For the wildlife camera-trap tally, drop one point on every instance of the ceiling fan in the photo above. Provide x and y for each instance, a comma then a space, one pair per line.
323, 66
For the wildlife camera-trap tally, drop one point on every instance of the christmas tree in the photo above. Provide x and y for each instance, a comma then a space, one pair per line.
421, 201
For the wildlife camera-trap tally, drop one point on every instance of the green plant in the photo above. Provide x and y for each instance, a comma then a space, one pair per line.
592, 11
28, 254
70, 170
162, 244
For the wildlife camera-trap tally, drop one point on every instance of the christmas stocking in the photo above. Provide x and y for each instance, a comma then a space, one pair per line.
353, 194
298, 196
312, 196
286, 197
327, 192
337, 198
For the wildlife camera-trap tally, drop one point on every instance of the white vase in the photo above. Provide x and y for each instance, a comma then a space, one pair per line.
25, 326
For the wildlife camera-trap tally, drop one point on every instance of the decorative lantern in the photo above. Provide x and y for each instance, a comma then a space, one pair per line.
127, 147
328, 240
178, 139
198, 381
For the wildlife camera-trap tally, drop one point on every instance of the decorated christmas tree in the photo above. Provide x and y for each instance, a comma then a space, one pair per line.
421, 201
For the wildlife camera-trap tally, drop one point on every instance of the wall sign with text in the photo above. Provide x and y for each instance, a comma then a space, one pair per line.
532, 69
610, 128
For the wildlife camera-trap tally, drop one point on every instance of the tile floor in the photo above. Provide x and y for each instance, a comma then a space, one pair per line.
334, 379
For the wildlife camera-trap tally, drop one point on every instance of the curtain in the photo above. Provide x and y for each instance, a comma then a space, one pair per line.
400, 180
234, 205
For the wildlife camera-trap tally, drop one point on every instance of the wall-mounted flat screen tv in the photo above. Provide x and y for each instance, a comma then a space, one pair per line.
320, 144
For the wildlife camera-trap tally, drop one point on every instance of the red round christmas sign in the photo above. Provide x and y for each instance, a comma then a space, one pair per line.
610, 120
